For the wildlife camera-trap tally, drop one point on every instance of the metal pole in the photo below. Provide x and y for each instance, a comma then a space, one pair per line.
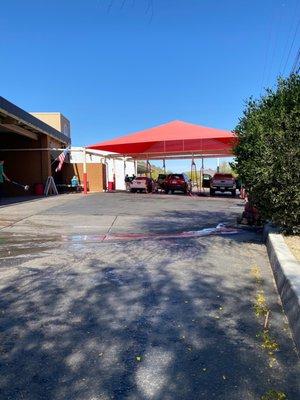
125, 180
106, 174
44, 149
218, 165
84, 172
135, 167
148, 168
201, 175
114, 175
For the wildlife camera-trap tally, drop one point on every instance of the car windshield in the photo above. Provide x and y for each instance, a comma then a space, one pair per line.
176, 176
141, 178
223, 176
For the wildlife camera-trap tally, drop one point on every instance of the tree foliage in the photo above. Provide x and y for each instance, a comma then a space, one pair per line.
226, 168
155, 170
268, 153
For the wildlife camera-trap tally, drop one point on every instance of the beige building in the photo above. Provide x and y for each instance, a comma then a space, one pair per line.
56, 120
25, 143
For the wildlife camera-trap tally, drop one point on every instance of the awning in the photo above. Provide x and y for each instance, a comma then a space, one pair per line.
176, 138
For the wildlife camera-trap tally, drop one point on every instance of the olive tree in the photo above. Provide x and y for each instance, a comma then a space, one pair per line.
268, 153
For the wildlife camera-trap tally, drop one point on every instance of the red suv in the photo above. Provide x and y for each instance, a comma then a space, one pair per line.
178, 182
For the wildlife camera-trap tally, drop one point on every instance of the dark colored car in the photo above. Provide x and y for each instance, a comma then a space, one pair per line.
238, 183
223, 183
206, 180
160, 181
178, 182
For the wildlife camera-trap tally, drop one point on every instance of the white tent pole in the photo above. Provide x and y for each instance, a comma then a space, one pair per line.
135, 167
106, 173
201, 175
84, 172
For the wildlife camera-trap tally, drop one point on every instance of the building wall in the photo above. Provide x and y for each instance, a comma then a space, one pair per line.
25, 167
65, 125
56, 120
114, 167
96, 175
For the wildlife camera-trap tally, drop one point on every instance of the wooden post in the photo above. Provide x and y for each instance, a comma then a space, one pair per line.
84, 172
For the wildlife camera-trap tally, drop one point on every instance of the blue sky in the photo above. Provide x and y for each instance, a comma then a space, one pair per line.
116, 66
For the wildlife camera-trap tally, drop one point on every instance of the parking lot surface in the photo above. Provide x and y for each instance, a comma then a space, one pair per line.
156, 318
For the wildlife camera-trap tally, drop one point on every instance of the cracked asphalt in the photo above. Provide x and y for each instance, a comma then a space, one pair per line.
168, 319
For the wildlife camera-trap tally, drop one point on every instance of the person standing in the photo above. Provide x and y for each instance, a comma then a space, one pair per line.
127, 182
75, 183
3, 178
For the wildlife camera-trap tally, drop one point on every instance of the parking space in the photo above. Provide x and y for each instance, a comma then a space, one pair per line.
153, 318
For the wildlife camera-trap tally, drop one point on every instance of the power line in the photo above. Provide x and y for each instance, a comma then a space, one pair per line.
276, 39
292, 45
150, 9
294, 13
268, 47
109, 7
296, 66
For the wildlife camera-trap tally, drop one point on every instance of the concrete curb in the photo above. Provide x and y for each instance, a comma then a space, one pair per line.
286, 270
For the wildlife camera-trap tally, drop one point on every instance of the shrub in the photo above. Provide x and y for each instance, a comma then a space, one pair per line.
268, 153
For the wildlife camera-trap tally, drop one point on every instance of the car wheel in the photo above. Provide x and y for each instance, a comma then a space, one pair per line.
172, 191
233, 193
167, 191
211, 192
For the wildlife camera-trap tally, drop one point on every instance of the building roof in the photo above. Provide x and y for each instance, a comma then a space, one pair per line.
31, 122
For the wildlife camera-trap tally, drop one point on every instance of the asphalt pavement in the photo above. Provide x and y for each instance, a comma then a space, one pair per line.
154, 318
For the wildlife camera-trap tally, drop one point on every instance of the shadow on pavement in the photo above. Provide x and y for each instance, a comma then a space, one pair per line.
133, 324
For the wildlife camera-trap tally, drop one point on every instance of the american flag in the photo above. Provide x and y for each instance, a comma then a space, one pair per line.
61, 159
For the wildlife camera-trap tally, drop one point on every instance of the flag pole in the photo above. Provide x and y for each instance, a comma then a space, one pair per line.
84, 172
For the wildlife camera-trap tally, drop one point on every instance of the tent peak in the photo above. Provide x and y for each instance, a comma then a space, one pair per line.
174, 137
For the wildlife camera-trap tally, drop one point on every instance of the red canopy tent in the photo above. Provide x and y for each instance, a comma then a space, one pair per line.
176, 138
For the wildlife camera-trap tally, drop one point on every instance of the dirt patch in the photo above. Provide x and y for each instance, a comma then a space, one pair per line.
293, 243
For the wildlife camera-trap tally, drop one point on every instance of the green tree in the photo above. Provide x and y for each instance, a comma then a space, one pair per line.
226, 168
155, 171
268, 153
141, 167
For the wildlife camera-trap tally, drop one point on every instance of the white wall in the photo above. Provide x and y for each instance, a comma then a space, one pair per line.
114, 166
118, 168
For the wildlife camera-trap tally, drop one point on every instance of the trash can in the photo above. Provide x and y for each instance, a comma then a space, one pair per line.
111, 185
39, 189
